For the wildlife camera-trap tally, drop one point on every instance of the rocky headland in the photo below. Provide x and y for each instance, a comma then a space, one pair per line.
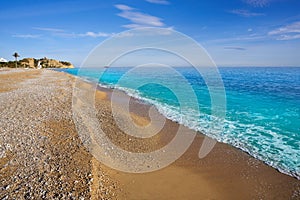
37, 63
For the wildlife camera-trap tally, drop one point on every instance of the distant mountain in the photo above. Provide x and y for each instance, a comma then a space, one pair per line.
37, 63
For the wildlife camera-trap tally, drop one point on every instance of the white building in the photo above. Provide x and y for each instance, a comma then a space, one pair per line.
3, 60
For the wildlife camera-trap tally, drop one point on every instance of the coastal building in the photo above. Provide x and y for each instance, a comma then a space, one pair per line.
39, 66
3, 60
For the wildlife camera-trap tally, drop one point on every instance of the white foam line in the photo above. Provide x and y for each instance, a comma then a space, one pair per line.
202, 125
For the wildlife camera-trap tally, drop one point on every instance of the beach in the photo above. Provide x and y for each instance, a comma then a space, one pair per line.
42, 156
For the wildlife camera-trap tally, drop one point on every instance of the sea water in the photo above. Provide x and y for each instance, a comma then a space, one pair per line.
262, 106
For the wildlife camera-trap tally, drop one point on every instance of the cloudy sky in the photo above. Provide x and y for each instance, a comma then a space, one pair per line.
233, 32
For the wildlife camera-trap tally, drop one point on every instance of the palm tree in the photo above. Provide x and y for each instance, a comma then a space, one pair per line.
16, 55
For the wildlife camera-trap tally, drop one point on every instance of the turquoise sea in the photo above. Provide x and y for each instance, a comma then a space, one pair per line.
262, 106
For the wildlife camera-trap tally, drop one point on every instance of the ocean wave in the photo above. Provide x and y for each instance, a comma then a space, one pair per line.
269, 146
249, 138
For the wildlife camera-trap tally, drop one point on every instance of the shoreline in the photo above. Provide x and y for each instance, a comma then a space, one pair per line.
142, 100
226, 173
248, 166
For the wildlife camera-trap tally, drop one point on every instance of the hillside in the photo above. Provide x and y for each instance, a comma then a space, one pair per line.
37, 63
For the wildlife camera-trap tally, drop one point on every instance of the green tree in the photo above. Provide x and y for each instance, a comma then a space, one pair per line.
16, 55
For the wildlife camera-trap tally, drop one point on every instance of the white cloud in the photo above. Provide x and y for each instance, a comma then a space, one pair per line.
245, 13
289, 37
93, 34
86, 34
146, 32
287, 32
65, 34
123, 7
141, 18
164, 2
291, 28
48, 29
242, 38
258, 3
138, 19
131, 26
124, 35
27, 36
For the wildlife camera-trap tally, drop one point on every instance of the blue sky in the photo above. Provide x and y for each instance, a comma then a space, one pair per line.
234, 32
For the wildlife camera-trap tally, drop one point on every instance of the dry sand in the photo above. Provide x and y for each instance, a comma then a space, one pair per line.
41, 155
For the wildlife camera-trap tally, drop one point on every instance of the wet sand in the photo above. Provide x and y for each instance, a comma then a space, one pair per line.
63, 168
225, 173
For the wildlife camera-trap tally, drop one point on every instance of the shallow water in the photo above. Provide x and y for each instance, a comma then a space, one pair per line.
263, 105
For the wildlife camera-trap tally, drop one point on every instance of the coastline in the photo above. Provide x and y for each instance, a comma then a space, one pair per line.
168, 112
226, 173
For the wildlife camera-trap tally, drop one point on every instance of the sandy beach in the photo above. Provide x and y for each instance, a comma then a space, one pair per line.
42, 156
